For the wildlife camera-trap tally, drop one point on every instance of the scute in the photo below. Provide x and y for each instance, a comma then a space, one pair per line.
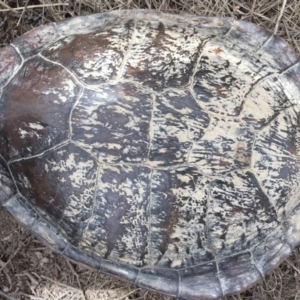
61, 185
157, 148
177, 123
179, 218
113, 122
118, 228
240, 214
36, 117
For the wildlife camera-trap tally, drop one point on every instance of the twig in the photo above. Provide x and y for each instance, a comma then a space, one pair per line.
10, 258
296, 269
77, 277
8, 8
2, 294
280, 16
61, 284
23, 11
31, 297
126, 296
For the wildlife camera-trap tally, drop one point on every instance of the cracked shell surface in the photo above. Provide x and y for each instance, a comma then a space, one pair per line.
160, 149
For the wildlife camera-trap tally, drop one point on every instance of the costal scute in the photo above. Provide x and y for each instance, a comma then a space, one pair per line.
157, 148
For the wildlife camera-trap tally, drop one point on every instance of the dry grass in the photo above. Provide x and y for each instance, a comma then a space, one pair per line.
28, 270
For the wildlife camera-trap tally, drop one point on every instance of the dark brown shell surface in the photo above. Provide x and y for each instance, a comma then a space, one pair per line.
157, 148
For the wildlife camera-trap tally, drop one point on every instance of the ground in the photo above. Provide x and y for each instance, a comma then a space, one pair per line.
29, 270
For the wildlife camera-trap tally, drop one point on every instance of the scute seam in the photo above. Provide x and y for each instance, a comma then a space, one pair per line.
230, 28
266, 194
218, 276
94, 200
127, 54
137, 276
65, 68
11, 175
208, 204
57, 31
179, 284
149, 239
264, 43
55, 147
151, 123
18, 51
289, 67
9, 199
80, 94
254, 263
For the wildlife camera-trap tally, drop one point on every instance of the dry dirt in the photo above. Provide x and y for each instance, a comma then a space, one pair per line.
28, 270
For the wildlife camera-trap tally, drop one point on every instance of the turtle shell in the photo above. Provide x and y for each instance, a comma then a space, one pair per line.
157, 148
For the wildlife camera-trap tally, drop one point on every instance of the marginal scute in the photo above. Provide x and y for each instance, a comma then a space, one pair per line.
33, 41
28, 217
160, 280
249, 34
113, 122
61, 184
290, 83
84, 24
204, 277
276, 48
237, 273
271, 251
82, 257
121, 270
36, 117
7, 186
10, 62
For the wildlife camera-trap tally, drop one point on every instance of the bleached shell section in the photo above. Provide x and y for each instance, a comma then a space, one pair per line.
164, 55
275, 160
239, 215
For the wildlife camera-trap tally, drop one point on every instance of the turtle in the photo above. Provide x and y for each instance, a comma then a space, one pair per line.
157, 148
